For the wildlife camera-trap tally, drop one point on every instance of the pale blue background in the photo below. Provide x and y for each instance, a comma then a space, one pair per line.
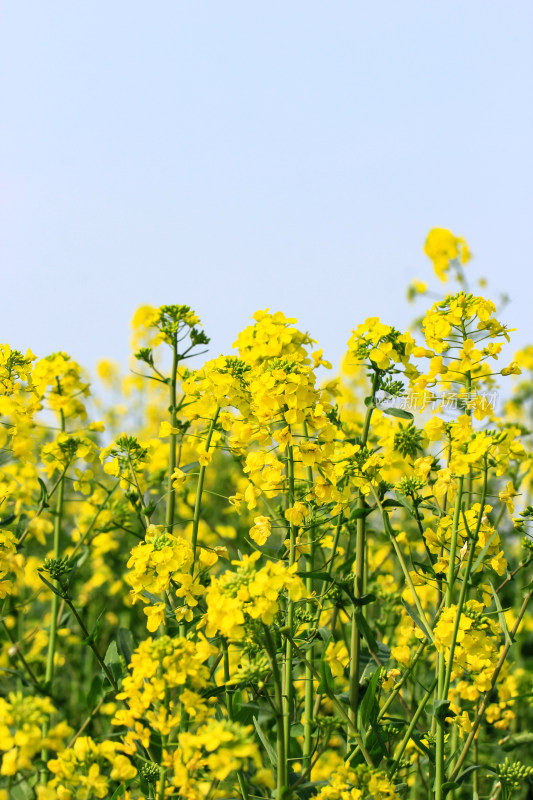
237, 155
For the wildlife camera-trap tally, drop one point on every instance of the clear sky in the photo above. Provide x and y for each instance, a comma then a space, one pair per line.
237, 154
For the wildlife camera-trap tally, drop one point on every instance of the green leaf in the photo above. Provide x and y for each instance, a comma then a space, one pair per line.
325, 634
326, 678
449, 785
95, 627
120, 791
94, 691
401, 789
43, 497
245, 712
468, 771
214, 691
441, 710
21, 525
22, 792
297, 730
323, 576
360, 513
390, 503
369, 703
365, 629
7, 520
417, 738
266, 744
125, 644
52, 588
308, 789
382, 651
405, 503
112, 661
397, 412
20, 675
364, 600
425, 568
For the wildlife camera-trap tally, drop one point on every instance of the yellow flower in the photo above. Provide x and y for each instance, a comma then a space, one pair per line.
507, 496
442, 247
337, 657
123, 769
296, 513
179, 478
443, 483
434, 429
512, 369
156, 616
166, 429
261, 530
390, 679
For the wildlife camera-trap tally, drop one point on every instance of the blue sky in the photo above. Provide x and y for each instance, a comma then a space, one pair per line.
238, 155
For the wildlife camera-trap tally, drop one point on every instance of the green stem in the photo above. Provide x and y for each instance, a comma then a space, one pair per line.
405, 741
309, 694
199, 490
17, 650
355, 635
171, 495
91, 644
162, 774
359, 579
281, 768
464, 589
442, 692
229, 707
405, 570
49, 671
288, 696
336, 703
475, 787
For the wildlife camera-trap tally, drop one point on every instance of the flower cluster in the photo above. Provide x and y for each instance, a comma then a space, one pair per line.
260, 582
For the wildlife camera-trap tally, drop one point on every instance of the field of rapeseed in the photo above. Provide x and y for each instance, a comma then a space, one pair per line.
259, 579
